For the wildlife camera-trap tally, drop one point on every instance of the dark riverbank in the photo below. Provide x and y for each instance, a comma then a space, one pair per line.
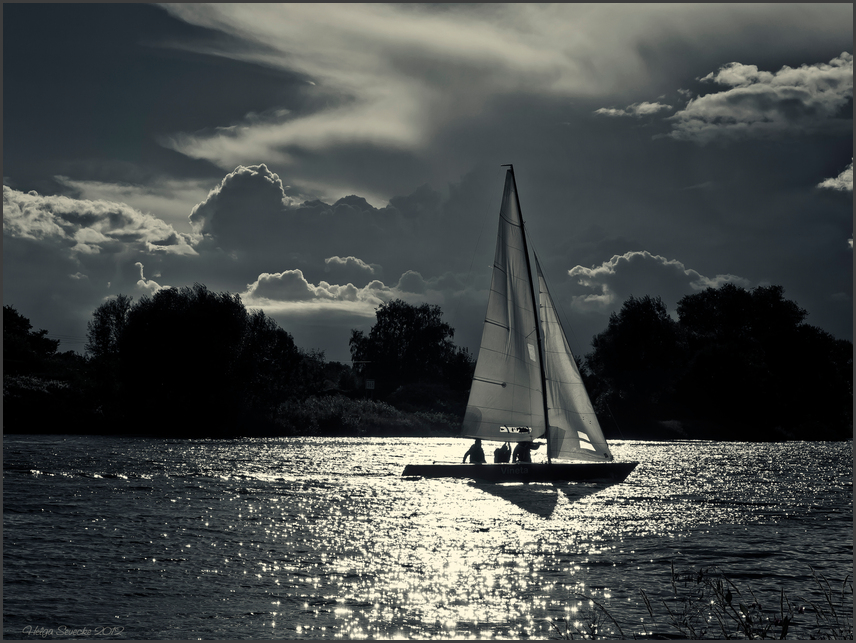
649, 377
52, 409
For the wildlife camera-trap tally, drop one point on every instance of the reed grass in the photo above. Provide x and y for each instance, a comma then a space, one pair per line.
706, 604
337, 415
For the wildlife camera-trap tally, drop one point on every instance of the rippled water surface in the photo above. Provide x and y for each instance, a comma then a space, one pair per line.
322, 538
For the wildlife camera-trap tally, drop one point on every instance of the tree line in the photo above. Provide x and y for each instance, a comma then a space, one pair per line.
194, 363
733, 364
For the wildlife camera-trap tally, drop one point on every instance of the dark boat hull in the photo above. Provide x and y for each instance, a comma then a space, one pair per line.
528, 472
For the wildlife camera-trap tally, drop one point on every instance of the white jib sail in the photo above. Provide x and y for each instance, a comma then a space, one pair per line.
575, 433
506, 401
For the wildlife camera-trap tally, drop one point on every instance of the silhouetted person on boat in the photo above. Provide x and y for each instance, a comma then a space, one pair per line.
475, 453
502, 454
522, 452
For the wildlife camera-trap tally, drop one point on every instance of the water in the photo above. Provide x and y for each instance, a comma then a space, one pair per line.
311, 538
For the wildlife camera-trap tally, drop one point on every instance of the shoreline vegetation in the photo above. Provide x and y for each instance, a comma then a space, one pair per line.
737, 365
706, 604
338, 416
341, 416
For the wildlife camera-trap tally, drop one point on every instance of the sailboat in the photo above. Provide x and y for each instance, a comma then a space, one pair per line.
526, 383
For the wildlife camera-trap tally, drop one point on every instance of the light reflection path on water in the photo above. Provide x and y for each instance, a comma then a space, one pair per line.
452, 558
322, 538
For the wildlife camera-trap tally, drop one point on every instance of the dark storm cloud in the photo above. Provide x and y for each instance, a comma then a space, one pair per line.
91, 88
247, 236
279, 145
420, 71
246, 205
249, 217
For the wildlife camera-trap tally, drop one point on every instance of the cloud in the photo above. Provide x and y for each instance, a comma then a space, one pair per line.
640, 273
842, 182
147, 286
412, 281
636, 109
387, 74
447, 285
86, 227
249, 213
289, 285
292, 286
248, 223
394, 77
246, 198
761, 103
289, 291
169, 199
351, 269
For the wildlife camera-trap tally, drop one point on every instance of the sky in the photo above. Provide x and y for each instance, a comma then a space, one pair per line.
323, 159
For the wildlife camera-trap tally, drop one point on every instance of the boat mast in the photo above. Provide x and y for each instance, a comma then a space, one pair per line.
536, 305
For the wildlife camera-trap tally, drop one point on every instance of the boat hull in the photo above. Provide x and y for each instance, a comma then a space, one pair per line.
526, 472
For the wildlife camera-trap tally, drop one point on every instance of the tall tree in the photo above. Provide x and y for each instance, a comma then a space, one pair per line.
731, 313
196, 362
25, 351
103, 334
755, 366
408, 344
106, 326
268, 368
43, 390
635, 361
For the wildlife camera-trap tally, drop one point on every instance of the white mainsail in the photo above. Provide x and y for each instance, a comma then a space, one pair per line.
574, 432
506, 399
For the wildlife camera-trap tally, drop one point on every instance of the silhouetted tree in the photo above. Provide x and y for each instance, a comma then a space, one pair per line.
24, 351
758, 371
105, 328
267, 373
731, 313
636, 360
408, 345
43, 390
818, 385
738, 364
103, 333
195, 362
338, 377
739, 343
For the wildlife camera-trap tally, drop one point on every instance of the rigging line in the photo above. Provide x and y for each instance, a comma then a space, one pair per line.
617, 426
